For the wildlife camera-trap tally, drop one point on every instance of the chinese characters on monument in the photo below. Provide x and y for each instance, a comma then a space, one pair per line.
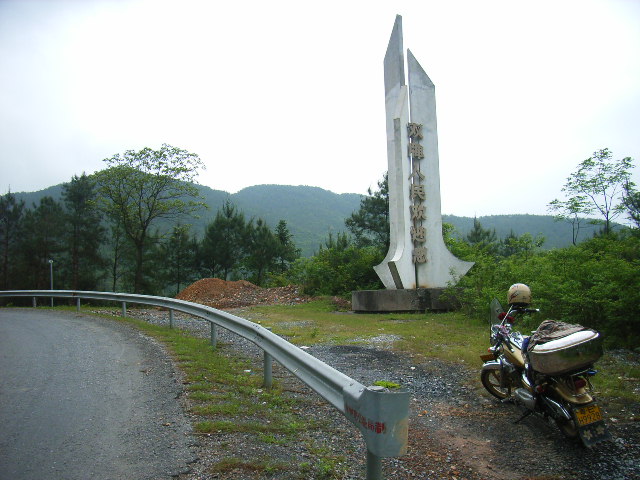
417, 194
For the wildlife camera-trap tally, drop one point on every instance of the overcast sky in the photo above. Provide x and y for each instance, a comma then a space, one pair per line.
292, 92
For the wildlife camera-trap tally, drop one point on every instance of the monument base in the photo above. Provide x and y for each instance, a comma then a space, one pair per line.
407, 300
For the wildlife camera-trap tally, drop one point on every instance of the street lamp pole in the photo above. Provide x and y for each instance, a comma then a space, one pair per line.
51, 278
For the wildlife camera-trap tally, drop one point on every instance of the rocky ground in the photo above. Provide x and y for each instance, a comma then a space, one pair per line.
456, 431
224, 295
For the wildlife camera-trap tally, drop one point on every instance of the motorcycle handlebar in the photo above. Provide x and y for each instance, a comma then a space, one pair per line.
523, 310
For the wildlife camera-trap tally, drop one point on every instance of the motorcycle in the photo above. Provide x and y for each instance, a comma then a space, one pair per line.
552, 379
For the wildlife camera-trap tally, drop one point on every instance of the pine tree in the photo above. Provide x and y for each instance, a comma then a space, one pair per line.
42, 241
85, 233
287, 251
481, 237
263, 248
178, 258
11, 215
370, 224
224, 243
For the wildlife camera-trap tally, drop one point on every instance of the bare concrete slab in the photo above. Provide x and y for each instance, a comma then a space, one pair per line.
402, 300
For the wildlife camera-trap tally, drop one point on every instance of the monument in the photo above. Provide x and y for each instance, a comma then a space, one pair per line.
418, 265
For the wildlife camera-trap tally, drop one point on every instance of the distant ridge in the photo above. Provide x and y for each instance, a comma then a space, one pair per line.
312, 213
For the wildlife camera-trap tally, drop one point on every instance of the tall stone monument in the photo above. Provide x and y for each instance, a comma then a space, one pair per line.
418, 264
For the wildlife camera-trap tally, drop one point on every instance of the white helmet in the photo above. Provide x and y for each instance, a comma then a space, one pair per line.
519, 295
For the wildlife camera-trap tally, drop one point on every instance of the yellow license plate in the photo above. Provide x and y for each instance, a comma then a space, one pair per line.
589, 414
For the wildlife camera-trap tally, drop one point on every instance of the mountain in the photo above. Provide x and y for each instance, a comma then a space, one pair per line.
312, 213
556, 234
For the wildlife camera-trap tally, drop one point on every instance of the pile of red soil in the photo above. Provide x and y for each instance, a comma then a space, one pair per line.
222, 294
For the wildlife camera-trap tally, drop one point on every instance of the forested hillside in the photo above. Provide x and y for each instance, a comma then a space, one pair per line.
312, 213
142, 226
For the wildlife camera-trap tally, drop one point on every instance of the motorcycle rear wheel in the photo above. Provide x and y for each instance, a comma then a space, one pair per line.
569, 428
491, 381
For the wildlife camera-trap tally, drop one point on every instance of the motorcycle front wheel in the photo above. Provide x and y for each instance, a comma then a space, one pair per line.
491, 381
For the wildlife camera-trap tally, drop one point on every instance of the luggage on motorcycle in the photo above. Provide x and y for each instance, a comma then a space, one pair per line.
567, 353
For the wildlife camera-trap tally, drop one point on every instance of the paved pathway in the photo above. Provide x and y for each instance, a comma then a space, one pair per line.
82, 397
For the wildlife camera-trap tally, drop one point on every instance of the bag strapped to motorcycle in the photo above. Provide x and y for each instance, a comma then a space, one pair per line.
558, 348
550, 330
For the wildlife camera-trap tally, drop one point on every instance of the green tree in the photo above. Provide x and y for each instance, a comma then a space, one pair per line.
593, 284
43, 240
139, 188
569, 211
597, 186
338, 268
224, 243
482, 238
524, 244
262, 251
120, 251
11, 215
287, 250
631, 200
177, 256
370, 224
85, 234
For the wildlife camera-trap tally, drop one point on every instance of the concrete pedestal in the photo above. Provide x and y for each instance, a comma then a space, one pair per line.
407, 300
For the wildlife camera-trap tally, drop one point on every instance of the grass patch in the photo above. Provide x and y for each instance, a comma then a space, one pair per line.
231, 464
618, 378
262, 427
451, 337
448, 336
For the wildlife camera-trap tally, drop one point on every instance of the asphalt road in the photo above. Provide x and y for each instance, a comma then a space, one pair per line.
82, 397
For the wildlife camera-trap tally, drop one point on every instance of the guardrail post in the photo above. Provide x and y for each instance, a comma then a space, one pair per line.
34, 302
170, 318
374, 466
214, 335
124, 309
78, 304
268, 370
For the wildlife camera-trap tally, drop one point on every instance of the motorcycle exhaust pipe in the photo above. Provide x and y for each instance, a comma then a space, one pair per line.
558, 410
525, 398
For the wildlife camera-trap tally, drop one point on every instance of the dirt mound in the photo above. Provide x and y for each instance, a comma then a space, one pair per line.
222, 294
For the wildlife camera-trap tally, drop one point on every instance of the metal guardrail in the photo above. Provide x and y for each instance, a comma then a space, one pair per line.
380, 415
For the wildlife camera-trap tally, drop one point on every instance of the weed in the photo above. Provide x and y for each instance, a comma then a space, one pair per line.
230, 464
201, 396
386, 384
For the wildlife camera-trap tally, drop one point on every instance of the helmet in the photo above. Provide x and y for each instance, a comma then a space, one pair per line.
519, 295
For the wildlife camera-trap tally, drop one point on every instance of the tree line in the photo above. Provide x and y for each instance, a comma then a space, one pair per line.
105, 232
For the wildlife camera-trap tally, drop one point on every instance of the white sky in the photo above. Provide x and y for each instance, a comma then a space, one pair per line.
291, 92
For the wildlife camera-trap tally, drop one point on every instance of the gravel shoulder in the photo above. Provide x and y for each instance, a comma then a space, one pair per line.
456, 430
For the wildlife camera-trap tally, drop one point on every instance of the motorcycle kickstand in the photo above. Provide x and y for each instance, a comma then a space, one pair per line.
524, 415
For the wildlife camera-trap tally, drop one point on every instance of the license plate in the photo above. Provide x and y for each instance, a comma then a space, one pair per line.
588, 414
